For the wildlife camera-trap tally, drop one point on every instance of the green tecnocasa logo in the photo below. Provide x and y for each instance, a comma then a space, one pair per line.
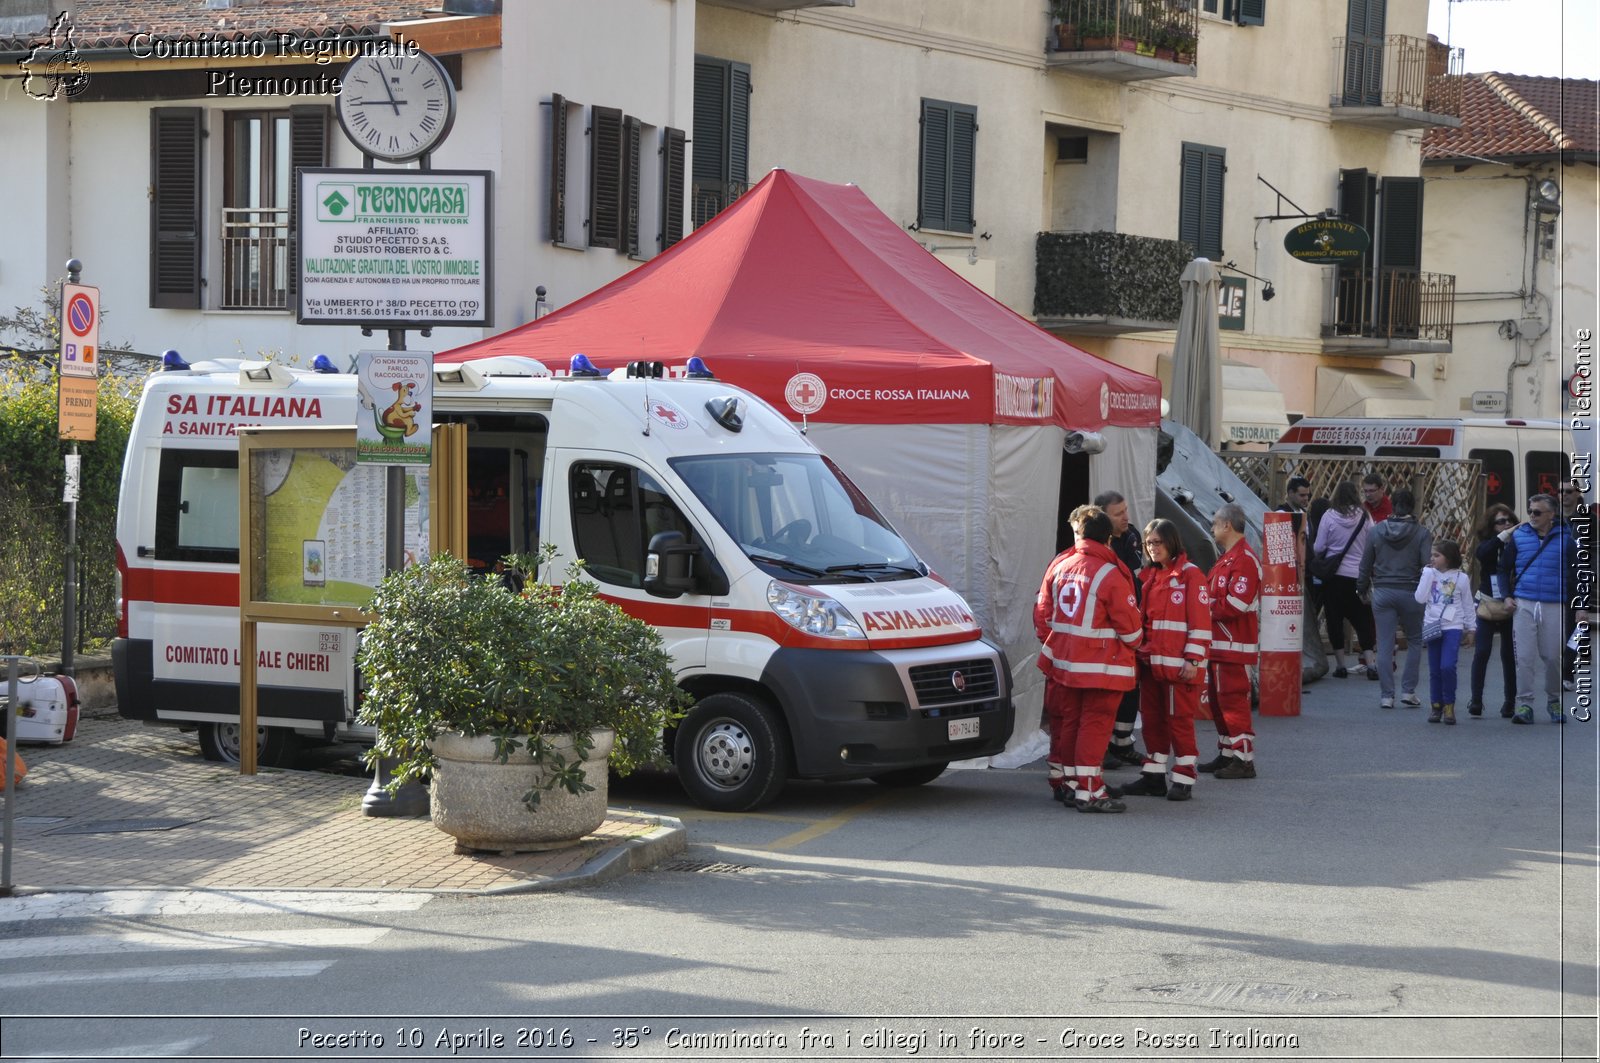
346, 201
336, 203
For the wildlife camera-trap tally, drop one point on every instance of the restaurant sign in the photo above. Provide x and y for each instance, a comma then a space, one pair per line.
1327, 242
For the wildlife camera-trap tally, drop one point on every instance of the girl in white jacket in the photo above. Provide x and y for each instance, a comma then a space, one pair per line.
1446, 596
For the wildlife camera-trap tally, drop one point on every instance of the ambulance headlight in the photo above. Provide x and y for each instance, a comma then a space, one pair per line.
812, 613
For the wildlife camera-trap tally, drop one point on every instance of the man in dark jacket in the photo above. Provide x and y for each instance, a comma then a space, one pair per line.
1122, 752
1540, 570
1397, 552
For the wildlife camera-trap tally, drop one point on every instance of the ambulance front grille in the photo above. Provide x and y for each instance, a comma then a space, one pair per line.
955, 681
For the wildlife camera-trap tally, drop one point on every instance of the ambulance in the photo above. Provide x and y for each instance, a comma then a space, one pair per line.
814, 641
1519, 457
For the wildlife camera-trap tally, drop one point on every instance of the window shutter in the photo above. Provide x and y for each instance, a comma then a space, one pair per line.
176, 179
1400, 225
738, 173
1209, 6
963, 165
672, 143
1252, 12
933, 204
309, 128
605, 176
558, 169
1200, 199
710, 120
628, 238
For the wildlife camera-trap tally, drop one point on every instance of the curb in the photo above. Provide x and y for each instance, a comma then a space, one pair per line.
635, 854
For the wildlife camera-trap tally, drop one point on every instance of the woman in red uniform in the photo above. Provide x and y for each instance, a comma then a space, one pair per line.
1172, 663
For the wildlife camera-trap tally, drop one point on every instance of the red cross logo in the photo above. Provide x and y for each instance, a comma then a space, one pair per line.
667, 414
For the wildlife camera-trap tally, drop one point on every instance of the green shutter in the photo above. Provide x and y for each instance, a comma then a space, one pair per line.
739, 88
963, 165
176, 226
1400, 224
558, 169
605, 176
1200, 198
672, 143
710, 119
933, 203
1211, 223
1252, 12
628, 237
309, 127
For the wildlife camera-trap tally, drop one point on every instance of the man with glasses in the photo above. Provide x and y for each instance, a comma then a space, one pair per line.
1122, 752
1380, 507
1539, 569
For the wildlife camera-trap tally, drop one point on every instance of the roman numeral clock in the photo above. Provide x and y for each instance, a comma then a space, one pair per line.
396, 107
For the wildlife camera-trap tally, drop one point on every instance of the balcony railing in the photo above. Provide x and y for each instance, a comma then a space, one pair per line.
1405, 304
255, 258
707, 199
1397, 81
1108, 280
1127, 40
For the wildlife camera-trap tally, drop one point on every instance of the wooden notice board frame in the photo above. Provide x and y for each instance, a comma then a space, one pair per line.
262, 458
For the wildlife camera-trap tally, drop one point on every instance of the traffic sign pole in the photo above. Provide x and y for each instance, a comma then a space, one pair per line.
80, 318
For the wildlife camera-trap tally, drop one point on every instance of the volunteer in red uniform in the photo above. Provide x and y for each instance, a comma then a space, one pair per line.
1172, 663
1089, 623
1234, 586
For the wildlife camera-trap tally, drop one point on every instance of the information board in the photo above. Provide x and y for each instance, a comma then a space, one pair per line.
394, 248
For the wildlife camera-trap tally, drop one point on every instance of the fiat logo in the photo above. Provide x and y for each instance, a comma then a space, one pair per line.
958, 681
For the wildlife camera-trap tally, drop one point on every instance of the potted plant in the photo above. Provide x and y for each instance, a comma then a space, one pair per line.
514, 695
1062, 15
1097, 34
1183, 45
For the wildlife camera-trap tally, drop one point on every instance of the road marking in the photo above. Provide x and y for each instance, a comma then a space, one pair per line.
181, 941
194, 972
824, 826
169, 903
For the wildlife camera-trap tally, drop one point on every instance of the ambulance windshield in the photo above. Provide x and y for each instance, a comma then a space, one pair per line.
799, 517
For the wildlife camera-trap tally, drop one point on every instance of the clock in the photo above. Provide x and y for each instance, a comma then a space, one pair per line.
396, 107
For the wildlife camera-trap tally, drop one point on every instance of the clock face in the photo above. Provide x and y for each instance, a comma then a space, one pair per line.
396, 106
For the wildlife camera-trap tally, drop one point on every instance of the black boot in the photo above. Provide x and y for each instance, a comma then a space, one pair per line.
1149, 784
1212, 765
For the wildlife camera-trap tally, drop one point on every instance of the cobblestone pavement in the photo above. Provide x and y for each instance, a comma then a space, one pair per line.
123, 806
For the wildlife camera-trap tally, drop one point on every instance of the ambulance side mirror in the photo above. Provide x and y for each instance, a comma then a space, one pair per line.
669, 564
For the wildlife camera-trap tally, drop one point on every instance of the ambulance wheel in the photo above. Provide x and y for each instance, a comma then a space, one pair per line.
918, 776
220, 741
731, 753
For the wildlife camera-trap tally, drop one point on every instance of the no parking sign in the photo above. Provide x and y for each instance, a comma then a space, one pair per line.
80, 330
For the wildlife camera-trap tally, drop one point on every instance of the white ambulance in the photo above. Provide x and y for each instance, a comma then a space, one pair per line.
1520, 457
815, 642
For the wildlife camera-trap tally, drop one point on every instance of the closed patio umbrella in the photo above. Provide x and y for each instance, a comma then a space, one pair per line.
1196, 363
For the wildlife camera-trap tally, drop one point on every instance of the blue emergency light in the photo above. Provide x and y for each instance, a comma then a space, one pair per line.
171, 359
581, 366
323, 364
698, 370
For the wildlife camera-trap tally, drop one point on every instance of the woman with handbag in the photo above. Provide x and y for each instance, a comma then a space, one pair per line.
1493, 616
1336, 560
1445, 594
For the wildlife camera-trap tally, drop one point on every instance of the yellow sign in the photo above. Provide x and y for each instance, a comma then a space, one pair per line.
76, 400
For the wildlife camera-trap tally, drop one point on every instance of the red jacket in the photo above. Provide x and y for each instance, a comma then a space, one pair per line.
1234, 586
1087, 619
1177, 619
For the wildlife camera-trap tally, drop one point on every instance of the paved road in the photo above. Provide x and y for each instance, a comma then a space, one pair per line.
1385, 888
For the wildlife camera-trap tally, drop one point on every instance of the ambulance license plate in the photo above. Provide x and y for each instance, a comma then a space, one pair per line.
960, 729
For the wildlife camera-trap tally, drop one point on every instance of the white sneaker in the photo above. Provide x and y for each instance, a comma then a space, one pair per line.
1385, 703
1411, 701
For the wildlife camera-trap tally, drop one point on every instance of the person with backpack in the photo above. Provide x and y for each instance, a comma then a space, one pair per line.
1397, 551
1335, 562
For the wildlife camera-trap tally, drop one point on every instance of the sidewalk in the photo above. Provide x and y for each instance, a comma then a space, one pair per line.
126, 806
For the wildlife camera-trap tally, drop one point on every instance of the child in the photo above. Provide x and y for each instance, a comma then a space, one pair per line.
1446, 595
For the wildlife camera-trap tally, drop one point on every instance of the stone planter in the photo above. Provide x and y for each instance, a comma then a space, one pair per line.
478, 800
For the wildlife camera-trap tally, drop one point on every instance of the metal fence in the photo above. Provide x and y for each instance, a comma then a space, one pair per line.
1449, 491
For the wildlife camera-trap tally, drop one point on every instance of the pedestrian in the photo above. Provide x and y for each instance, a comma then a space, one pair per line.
1088, 622
1125, 544
1234, 587
1056, 770
1172, 664
1375, 496
1397, 551
1296, 498
1447, 618
1494, 618
1314, 590
1539, 582
1343, 531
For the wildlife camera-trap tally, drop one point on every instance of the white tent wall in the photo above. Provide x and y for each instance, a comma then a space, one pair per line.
992, 545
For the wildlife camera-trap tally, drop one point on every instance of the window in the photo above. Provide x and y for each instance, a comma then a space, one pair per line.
261, 150
197, 506
1499, 478
1244, 12
1200, 200
616, 510
721, 137
946, 166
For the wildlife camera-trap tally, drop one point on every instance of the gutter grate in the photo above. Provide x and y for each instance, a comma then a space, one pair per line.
709, 867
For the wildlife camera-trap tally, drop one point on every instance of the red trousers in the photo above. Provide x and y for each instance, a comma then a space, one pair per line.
1081, 725
1228, 690
1168, 710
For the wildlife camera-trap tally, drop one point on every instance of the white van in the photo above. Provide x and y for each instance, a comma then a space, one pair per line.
815, 642
1520, 458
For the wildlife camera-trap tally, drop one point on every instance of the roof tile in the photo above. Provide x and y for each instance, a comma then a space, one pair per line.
1515, 115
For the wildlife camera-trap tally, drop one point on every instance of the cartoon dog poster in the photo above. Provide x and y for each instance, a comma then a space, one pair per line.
395, 389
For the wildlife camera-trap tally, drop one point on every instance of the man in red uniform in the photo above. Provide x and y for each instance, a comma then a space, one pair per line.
1234, 585
1375, 496
1087, 619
